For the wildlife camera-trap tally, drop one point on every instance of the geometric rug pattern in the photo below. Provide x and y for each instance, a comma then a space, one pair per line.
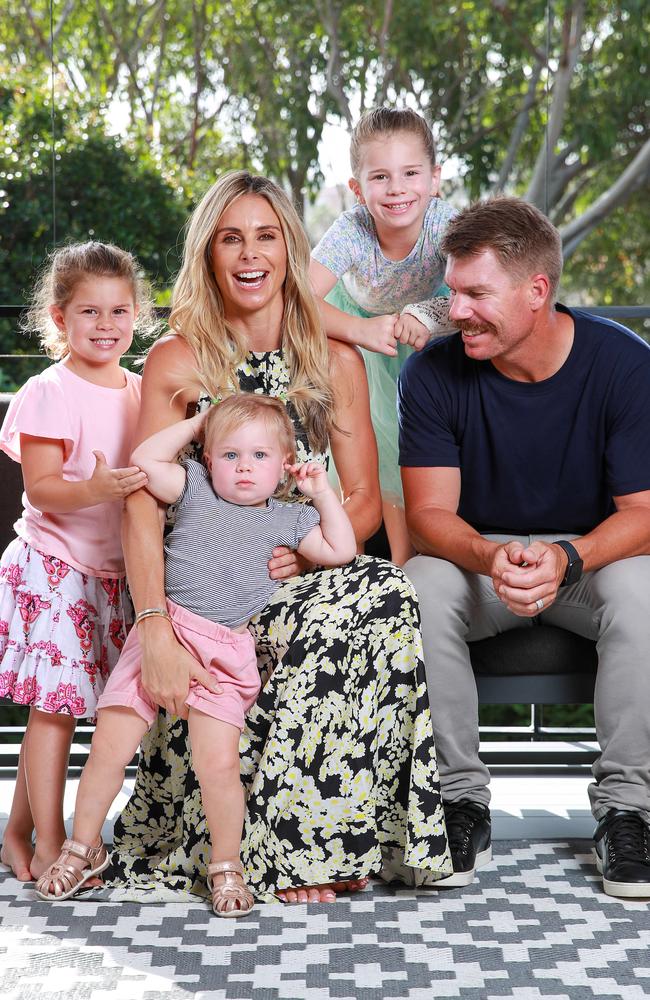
534, 924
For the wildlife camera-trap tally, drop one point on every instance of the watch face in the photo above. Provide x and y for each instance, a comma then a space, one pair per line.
574, 565
574, 572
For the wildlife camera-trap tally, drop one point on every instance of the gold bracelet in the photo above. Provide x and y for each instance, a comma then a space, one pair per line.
151, 613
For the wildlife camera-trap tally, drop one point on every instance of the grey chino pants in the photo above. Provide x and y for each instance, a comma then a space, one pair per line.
611, 605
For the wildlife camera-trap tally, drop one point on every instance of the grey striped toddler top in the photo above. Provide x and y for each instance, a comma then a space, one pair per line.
217, 552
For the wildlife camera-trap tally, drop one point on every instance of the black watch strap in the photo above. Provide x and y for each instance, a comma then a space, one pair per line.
574, 565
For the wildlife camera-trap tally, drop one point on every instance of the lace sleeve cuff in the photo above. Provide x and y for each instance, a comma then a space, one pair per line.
433, 314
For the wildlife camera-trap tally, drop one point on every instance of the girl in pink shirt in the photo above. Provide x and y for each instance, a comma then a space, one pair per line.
64, 609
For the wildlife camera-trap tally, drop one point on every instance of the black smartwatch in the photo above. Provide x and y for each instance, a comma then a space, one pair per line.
574, 566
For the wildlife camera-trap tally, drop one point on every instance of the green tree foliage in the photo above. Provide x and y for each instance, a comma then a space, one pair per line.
555, 110
105, 190
612, 265
552, 108
272, 55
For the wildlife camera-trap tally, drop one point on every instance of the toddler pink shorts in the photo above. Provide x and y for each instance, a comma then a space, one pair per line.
229, 656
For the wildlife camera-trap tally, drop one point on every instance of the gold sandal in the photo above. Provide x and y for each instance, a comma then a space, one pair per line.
232, 897
65, 879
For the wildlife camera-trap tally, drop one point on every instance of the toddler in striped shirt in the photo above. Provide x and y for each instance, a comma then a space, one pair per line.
228, 521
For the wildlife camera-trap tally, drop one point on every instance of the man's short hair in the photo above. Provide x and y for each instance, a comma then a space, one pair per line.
521, 237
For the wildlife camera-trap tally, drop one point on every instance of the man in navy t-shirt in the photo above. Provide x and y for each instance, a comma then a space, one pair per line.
525, 454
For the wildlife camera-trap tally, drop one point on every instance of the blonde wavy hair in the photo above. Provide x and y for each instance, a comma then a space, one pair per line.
63, 270
198, 315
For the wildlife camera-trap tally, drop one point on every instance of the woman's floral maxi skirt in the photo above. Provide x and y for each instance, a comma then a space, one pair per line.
338, 758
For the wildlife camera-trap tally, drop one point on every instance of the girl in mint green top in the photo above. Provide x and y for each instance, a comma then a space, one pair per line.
378, 269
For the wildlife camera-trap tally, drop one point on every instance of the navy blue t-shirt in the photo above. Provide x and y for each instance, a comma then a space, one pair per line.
535, 457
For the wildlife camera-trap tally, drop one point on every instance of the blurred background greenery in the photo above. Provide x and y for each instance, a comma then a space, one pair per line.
141, 104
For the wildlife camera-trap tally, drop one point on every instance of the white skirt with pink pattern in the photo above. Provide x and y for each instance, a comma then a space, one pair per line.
61, 631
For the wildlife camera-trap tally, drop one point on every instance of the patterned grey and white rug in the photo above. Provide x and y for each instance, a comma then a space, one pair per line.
536, 924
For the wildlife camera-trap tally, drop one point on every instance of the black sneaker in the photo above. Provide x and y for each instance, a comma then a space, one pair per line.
469, 831
622, 845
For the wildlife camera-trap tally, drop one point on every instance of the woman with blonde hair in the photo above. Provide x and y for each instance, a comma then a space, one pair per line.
338, 760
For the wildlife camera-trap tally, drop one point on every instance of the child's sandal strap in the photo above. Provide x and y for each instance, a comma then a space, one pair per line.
66, 879
221, 867
232, 897
83, 851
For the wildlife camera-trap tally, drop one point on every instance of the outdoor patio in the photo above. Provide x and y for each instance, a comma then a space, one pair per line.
534, 924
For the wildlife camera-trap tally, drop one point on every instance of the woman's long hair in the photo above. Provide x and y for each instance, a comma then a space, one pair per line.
197, 313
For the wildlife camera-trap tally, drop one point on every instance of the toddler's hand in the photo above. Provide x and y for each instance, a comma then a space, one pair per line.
198, 424
311, 478
377, 333
409, 330
113, 484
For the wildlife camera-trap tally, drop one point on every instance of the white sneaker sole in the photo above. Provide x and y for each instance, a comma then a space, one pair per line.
626, 890
458, 879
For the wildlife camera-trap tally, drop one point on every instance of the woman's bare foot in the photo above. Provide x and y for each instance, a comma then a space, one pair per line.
321, 893
17, 854
352, 885
308, 894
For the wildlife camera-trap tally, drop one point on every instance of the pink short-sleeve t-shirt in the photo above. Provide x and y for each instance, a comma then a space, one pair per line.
61, 405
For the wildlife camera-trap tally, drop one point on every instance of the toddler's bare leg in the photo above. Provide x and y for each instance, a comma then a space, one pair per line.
215, 753
46, 751
116, 739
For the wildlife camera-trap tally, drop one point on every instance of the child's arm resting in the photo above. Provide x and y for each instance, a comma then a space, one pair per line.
374, 333
47, 490
332, 542
157, 457
419, 322
337, 323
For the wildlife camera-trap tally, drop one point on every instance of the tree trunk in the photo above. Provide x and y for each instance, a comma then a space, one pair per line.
635, 174
537, 192
518, 131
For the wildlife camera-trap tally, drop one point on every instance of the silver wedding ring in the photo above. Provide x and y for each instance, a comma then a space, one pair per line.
539, 603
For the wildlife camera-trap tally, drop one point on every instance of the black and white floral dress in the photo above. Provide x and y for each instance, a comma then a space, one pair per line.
337, 758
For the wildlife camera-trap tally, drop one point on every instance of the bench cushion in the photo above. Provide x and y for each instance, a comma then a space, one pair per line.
535, 649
